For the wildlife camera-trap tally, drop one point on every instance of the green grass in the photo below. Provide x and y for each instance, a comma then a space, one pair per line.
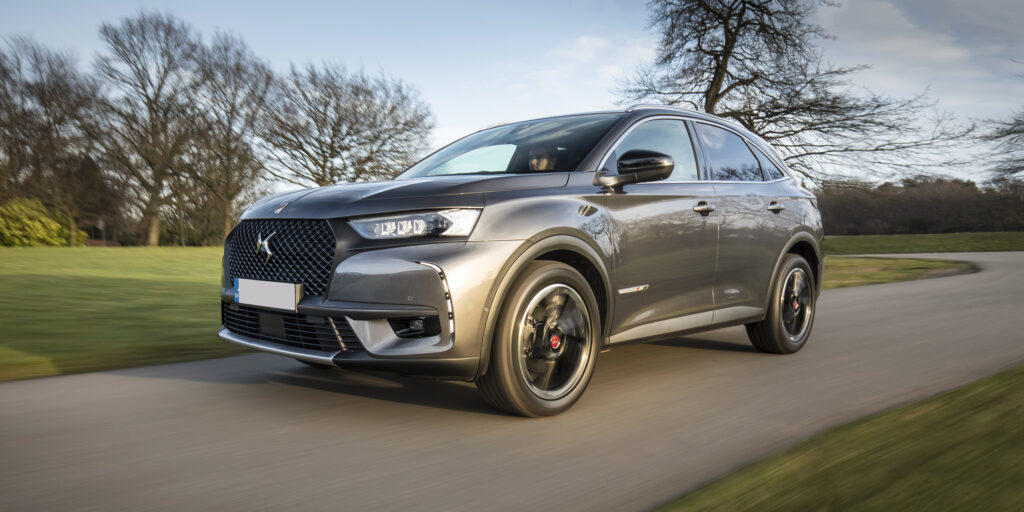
69, 310
65, 310
952, 242
843, 271
963, 450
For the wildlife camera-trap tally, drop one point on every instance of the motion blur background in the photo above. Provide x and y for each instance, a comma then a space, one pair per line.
229, 111
156, 123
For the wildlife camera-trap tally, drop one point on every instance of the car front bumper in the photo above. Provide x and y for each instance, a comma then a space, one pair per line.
451, 281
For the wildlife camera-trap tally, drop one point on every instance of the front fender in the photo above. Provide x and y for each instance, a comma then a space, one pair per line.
527, 253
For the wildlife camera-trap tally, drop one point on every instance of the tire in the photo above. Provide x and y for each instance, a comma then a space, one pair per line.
790, 316
546, 342
316, 365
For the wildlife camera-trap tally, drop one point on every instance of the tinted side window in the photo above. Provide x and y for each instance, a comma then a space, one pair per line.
770, 171
729, 158
666, 136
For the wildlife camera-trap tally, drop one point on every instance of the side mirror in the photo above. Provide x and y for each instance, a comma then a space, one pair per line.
636, 166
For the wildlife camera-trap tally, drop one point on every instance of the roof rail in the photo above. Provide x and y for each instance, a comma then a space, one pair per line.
642, 105
688, 111
654, 105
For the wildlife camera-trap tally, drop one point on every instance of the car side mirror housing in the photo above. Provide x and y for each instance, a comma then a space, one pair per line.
636, 166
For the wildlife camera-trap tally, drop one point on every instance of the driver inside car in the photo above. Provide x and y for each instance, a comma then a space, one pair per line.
541, 160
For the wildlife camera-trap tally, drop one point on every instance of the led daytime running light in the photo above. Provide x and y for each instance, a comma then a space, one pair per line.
455, 222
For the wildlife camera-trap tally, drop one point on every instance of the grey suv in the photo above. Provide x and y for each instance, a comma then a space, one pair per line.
514, 255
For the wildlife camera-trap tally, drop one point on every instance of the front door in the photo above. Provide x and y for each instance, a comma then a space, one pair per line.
664, 250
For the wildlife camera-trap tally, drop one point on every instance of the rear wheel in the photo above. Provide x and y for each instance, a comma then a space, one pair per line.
546, 342
790, 317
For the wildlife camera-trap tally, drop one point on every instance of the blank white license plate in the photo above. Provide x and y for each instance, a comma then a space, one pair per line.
268, 294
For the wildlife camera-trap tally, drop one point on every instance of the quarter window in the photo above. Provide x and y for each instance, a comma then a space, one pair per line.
771, 172
729, 158
666, 136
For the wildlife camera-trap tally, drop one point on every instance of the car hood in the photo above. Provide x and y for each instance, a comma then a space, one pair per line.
355, 199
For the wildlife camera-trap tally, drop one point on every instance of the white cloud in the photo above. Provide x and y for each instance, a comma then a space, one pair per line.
584, 49
906, 58
609, 71
995, 23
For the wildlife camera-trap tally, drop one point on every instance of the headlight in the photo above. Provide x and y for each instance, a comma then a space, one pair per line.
427, 224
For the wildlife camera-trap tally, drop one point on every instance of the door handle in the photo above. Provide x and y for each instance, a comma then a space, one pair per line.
775, 207
704, 208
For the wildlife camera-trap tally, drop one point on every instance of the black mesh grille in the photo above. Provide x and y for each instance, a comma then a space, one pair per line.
303, 252
289, 329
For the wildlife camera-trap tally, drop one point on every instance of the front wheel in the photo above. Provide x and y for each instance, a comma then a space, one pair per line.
546, 342
790, 316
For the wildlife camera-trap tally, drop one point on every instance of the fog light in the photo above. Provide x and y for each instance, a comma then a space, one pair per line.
416, 327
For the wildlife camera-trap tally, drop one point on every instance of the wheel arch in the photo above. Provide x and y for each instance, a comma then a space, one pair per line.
804, 244
566, 249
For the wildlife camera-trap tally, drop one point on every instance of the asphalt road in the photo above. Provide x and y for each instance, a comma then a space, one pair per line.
260, 432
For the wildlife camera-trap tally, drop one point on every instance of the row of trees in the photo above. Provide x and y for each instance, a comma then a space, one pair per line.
921, 204
170, 133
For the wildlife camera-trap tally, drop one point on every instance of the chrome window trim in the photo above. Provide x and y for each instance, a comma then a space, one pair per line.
716, 181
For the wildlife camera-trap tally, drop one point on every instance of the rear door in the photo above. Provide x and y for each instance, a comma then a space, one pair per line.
664, 251
751, 235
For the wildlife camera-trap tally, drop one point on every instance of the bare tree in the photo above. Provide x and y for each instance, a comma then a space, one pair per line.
53, 100
325, 126
149, 117
756, 62
14, 119
188, 217
233, 94
1009, 138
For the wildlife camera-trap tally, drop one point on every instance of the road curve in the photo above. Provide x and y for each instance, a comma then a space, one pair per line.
258, 432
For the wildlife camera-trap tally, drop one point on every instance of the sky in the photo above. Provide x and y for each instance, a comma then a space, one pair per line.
477, 63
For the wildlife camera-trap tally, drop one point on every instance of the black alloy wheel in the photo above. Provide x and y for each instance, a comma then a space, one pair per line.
790, 315
546, 343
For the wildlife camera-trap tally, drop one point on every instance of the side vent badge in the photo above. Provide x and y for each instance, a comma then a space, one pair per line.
633, 289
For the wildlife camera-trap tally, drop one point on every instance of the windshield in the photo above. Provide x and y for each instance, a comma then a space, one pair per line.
557, 144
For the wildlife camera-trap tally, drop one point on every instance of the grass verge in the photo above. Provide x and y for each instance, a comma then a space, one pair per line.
962, 450
71, 310
843, 271
951, 242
